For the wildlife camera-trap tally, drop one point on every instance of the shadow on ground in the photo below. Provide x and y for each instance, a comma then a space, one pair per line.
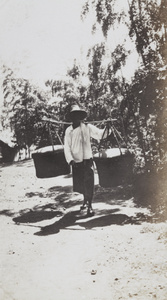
60, 200
75, 218
63, 199
22, 163
37, 216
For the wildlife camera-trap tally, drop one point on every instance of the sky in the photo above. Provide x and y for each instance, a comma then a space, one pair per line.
39, 39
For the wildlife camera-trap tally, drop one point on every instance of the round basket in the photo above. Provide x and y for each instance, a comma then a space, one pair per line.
114, 168
49, 162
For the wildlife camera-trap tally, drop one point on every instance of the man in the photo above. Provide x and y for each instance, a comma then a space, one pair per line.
78, 153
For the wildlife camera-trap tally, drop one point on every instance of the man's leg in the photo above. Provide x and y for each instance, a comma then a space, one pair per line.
78, 177
78, 181
88, 184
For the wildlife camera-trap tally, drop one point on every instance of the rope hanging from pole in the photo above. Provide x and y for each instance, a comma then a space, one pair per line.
108, 129
51, 138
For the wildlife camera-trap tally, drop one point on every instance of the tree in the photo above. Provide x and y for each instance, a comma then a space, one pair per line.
143, 106
24, 107
148, 27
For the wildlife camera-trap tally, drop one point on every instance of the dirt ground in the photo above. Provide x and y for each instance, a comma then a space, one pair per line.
49, 250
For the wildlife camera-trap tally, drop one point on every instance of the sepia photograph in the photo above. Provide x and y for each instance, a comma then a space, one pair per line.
83, 149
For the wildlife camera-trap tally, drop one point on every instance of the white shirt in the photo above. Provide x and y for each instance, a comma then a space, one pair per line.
77, 145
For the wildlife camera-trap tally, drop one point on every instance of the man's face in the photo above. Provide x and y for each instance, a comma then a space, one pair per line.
76, 119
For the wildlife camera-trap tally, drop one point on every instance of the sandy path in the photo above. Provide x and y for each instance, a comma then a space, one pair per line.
49, 251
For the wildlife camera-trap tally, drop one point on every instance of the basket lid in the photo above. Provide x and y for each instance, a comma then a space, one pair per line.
109, 153
50, 149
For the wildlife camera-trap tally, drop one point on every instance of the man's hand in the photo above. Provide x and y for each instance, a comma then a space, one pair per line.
72, 163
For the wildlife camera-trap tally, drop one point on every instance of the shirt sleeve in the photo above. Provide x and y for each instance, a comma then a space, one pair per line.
67, 146
95, 132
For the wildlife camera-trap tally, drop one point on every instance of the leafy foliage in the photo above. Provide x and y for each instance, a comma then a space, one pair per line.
24, 108
105, 14
143, 105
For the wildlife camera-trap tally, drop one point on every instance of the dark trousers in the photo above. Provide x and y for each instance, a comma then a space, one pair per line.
83, 179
